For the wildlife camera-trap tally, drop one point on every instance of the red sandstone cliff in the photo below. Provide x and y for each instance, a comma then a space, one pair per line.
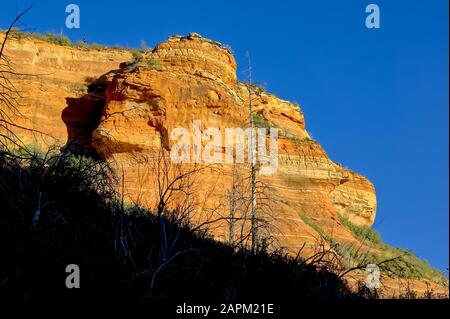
96, 104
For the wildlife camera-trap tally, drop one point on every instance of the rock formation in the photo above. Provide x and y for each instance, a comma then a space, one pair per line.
196, 80
96, 103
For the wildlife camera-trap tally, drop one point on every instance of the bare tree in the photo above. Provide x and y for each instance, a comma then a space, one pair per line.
9, 94
252, 155
172, 181
174, 186
178, 201
237, 211
232, 195
235, 208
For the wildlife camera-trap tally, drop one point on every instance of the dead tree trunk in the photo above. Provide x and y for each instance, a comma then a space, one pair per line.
232, 207
252, 154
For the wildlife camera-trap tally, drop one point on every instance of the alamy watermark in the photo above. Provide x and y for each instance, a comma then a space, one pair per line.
373, 276
373, 20
73, 19
226, 148
73, 279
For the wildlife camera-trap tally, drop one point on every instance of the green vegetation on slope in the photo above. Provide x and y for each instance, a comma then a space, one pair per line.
48, 37
308, 221
260, 121
63, 40
401, 263
139, 61
365, 234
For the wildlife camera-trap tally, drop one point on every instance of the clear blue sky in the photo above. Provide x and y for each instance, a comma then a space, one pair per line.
377, 100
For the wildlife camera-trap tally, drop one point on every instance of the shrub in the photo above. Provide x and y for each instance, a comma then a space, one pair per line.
55, 38
260, 121
400, 262
406, 264
81, 44
80, 88
16, 33
308, 221
363, 233
139, 61
154, 64
353, 256
256, 89
48, 37
137, 55
96, 46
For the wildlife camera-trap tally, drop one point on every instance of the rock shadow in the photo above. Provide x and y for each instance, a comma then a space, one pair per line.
82, 116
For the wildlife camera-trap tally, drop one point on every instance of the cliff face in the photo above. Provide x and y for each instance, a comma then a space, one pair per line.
55, 74
195, 79
93, 102
86, 99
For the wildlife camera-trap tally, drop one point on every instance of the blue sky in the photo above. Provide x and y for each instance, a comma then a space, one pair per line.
377, 100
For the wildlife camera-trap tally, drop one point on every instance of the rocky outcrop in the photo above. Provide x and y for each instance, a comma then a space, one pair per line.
54, 77
94, 102
196, 55
83, 98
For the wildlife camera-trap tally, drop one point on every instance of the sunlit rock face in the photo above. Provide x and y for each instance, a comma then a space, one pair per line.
95, 103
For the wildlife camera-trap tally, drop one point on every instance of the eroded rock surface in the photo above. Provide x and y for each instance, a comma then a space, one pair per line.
94, 102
